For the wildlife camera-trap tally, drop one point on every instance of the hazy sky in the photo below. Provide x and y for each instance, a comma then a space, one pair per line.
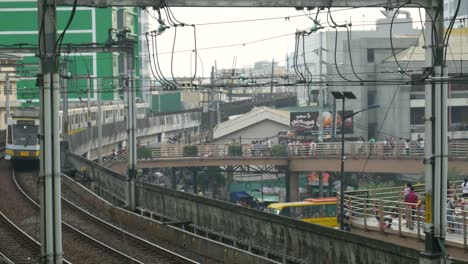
238, 33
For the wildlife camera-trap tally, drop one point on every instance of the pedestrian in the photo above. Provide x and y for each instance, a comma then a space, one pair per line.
420, 145
312, 148
465, 188
252, 148
371, 144
290, 148
450, 212
262, 148
412, 200
407, 189
269, 146
407, 147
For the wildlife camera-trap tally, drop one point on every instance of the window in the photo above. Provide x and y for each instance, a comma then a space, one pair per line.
25, 134
370, 55
417, 116
458, 114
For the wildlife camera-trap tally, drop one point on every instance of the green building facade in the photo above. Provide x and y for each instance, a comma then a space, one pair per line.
19, 22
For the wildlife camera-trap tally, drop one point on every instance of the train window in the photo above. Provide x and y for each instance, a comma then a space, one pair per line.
25, 134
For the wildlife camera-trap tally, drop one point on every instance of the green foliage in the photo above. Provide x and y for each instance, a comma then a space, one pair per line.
211, 179
235, 150
190, 151
279, 151
144, 153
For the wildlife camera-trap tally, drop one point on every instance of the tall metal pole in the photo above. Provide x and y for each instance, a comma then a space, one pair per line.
88, 102
7, 94
321, 93
99, 121
435, 139
272, 75
334, 119
342, 184
65, 100
132, 119
49, 176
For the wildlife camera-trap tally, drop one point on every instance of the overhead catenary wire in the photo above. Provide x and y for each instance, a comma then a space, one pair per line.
349, 43
58, 43
386, 113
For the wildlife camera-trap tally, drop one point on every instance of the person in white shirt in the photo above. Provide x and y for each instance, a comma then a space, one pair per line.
465, 188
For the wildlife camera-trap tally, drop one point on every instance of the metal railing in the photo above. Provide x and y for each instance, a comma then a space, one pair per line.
384, 210
353, 150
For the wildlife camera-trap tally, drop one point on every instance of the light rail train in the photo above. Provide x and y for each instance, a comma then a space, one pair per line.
22, 141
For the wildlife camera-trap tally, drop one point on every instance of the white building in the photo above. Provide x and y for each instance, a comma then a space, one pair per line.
369, 50
259, 124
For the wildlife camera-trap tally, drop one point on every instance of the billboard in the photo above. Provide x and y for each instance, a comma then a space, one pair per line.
348, 123
307, 123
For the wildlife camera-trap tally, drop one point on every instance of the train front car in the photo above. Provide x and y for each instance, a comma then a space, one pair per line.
22, 144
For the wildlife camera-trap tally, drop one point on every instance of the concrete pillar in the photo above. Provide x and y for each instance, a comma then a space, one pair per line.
194, 181
292, 186
173, 179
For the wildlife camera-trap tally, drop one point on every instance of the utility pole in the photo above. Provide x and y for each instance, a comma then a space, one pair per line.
272, 74
132, 120
88, 102
436, 142
321, 99
99, 121
49, 176
210, 104
65, 100
7, 95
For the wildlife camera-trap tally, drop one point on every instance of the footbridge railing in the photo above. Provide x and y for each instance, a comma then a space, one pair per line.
385, 210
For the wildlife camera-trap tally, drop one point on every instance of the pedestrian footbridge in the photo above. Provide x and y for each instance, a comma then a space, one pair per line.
360, 157
383, 213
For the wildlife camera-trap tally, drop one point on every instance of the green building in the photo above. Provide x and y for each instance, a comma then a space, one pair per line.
19, 22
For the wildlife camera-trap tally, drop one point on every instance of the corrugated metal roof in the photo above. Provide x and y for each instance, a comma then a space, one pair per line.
255, 116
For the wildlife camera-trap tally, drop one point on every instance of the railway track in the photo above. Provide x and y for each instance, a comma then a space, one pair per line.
142, 251
78, 247
18, 246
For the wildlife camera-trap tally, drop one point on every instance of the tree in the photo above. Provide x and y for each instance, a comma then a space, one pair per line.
212, 178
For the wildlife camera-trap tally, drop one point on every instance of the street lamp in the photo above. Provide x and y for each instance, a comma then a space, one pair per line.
343, 96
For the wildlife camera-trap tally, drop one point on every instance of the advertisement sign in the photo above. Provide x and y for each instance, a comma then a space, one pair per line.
348, 123
303, 120
313, 178
307, 123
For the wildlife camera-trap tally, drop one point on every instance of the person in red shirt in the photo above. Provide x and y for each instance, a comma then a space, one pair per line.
412, 199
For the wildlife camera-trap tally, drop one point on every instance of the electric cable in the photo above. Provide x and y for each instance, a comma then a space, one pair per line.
387, 112
448, 33
172, 56
349, 43
335, 50
196, 54
151, 63
348, 31
166, 84
154, 42
58, 43
304, 58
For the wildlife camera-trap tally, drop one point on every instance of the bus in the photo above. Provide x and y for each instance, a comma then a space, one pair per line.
320, 211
